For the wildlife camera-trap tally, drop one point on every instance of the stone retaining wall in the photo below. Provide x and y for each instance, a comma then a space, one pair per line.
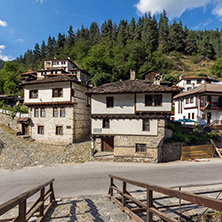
11, 122
170, 152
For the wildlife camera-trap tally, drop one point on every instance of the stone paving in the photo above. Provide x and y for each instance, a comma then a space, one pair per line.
99, 208
86, 209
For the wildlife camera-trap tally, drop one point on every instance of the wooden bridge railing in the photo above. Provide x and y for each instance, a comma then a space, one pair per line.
21, 201
148, 207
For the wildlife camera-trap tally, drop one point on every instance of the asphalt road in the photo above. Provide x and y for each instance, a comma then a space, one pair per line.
92, 177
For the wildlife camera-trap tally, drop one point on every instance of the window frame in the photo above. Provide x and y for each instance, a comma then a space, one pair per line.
58, 130
109, 102
146, 125
148, 102
39, 131
187, 100
191, 99
106, 124
35, 91
41, 112
140, 148
188, 81
56, 92
36, 114
60, 112
151, 99
55, 112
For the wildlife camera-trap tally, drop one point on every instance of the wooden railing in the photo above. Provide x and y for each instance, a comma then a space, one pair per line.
38, 207
149, 207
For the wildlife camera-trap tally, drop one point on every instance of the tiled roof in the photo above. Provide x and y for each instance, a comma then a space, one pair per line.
200, 89
29, 72
132, 86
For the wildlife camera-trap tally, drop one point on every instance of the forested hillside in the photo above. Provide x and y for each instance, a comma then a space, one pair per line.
1, 64
110, 51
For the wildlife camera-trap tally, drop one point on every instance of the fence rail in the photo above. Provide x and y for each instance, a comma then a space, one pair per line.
149, 207
21, 201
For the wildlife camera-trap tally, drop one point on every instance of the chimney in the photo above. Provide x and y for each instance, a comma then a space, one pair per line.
132, 74
180, 77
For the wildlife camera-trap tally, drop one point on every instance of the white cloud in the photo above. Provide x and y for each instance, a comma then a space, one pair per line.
2, 47
40, 1
175, 8
3, 23
19, 40
4, 57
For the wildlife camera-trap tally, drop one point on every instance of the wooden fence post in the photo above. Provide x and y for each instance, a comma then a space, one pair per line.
149, 215
22, 211
111, 184
42, 196
52, 196
124, 192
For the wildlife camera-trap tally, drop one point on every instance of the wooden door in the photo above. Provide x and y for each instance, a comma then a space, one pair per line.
25, 129
208, 117
107, 144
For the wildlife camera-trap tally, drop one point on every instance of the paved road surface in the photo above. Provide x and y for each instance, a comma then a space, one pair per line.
92, 177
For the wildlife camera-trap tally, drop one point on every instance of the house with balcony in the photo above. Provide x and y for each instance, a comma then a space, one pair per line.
191, 82
59, 110
129, 118
202, 104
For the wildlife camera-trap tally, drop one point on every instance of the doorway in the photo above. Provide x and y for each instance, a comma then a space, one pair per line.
25, 129
107, 143
208, 117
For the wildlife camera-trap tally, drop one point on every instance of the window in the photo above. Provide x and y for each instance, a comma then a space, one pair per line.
57, 92
106, 123
153, 100
157, 100
36, 112
187, 100
72, 92
140, 148
109, 102
63, 62
59, 130
40, 129
62, 112
189, 81
88, 101
42, 112
33, 94
192, 115
55, 112
146, 125
148, 100
188, 115
191, 99
203, 116
199, 81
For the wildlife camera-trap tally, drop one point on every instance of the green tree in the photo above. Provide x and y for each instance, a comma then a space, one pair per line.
216, 68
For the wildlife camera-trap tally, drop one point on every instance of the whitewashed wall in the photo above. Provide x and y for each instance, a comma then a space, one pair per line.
166, 103
123, 104
125, 126
45, 92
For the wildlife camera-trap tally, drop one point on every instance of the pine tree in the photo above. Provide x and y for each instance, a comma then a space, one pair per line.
163, 32
132, 27
59, 44
94, 34
43, 50
122, 33
207, 48
69, 42
190, 43
176, 37
50, 48
138, 30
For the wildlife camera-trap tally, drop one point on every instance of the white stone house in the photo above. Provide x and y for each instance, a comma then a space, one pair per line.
191, 82
202, 104
59, 110
129, 118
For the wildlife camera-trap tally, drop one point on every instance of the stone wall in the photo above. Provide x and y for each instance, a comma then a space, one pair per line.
11, 122
81, 113
125, 146
49, 122
170, 152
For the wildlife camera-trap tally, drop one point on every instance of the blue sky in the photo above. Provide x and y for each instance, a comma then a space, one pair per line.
23, 23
